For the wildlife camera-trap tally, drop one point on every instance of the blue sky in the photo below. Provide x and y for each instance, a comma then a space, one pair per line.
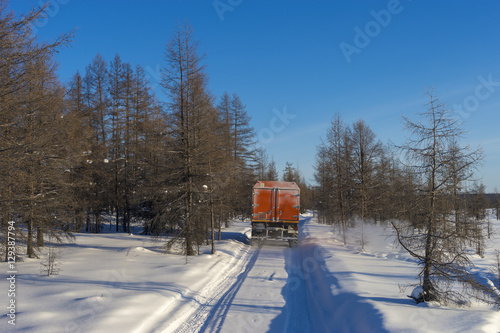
295, 63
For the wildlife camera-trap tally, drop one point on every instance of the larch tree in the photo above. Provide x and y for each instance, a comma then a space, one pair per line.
239, 147
272, 172
80, 141
225, 114
289, 173
366, 151
96, 92
185, 82
439, 248
30, 103
339, 156
117, 96
261, 162
242, 134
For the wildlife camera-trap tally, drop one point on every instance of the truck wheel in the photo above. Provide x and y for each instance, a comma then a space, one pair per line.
293, 242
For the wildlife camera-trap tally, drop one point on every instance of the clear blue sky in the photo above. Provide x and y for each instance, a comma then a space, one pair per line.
365, 59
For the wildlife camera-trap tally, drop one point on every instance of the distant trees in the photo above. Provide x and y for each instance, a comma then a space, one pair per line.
118, 124
366, 153
338, 197
272, 172
262, 162
497, 203
293, 174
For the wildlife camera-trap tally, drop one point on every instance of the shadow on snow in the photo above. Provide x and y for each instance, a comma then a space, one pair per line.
311, 306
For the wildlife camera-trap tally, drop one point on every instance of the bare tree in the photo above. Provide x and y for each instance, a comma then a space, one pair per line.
366, 152
334, 175
262, 162
441, 251
339, 153
272, 173
497, 203
185, 82
30, 101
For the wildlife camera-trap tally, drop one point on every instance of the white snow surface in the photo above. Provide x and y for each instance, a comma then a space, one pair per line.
113, 282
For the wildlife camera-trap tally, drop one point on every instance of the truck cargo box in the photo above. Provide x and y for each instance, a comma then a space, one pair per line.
275, 211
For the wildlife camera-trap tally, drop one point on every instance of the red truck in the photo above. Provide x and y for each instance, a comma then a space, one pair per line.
275, 211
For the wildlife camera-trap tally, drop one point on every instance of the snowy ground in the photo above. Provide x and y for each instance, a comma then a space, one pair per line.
119, 283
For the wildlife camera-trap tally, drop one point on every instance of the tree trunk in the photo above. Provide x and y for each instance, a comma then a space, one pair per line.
39, 237
30, 251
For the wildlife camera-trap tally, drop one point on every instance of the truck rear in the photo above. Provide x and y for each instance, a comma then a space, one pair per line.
275, 211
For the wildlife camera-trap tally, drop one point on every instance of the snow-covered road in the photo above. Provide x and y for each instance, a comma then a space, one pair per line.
280, 289
291, 290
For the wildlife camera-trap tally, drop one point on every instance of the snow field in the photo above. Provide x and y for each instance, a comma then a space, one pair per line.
378, 275
118, 283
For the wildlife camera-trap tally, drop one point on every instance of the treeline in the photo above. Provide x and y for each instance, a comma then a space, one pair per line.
34, 133
426, 188
72, 156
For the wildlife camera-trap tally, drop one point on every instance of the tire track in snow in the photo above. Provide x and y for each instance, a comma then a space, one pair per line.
295, 314
217, 315
193, 314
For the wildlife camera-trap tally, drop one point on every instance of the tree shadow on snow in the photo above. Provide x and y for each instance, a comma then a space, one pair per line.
237, 236
311, 306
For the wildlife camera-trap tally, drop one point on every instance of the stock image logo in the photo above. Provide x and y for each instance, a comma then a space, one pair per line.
277, 124
373, 28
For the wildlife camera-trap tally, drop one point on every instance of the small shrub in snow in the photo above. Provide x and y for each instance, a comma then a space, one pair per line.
50, 266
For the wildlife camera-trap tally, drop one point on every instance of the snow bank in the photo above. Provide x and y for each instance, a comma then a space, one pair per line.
117, 283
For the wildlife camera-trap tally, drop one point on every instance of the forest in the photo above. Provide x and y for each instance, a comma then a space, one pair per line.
74, 157
103, 151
